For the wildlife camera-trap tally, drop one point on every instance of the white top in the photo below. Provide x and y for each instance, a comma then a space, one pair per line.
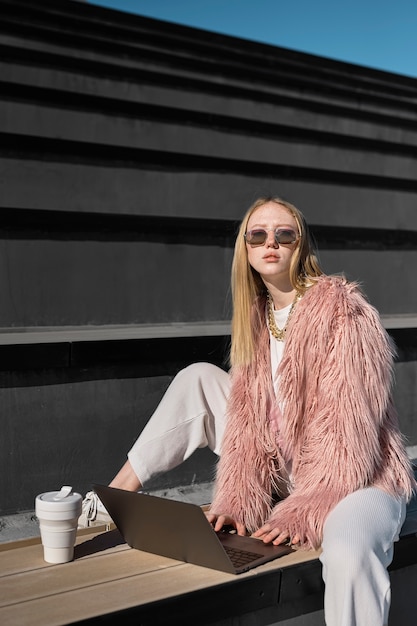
277, 347
276, 351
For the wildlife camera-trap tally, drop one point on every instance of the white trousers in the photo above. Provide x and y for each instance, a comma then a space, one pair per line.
190, 415
358, 534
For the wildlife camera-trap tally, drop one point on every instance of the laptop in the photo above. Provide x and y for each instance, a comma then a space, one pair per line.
181, 531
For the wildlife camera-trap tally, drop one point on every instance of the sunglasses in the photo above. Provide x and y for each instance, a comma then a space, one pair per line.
258, 236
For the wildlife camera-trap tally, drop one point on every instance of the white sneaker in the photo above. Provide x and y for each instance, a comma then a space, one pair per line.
93, 512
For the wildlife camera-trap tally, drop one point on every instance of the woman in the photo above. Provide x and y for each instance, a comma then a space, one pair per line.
311, 452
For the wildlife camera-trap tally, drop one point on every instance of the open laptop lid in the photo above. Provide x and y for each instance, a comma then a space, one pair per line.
178, 530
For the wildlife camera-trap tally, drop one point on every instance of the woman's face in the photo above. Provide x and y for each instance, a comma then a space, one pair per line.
272, 259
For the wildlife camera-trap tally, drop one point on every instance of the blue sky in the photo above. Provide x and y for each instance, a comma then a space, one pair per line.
381, 34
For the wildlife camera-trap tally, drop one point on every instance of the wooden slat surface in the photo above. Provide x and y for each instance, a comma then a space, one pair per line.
105, 576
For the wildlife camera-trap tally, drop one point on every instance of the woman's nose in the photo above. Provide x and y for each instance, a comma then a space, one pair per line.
270, 239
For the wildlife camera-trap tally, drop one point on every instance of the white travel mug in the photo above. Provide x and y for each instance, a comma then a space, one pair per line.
58, 513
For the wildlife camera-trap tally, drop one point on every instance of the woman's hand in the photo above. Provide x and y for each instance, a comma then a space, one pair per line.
272, 534
219, 521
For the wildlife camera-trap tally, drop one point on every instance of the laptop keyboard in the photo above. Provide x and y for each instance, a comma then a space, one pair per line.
240, 557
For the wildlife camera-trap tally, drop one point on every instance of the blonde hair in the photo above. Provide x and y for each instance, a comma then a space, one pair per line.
247, 285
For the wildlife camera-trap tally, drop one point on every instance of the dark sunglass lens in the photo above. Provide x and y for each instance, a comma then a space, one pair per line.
256, 237
285, 236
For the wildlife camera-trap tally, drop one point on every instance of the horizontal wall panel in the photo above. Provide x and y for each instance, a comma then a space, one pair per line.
197, 140
203, 97
57, 149
394, 295
56, 185
145, 354
134, 356
68, 283
21, 357
139, 99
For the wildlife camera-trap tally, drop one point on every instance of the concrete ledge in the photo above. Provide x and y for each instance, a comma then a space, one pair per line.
70, 334
64, 334
78, 346
75, 347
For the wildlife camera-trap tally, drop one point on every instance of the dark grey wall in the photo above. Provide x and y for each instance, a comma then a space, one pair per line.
129, 150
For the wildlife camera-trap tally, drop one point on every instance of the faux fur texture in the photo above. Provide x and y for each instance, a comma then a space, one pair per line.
338, 427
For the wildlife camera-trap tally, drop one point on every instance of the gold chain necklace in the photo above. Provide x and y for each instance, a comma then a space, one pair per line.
279, 333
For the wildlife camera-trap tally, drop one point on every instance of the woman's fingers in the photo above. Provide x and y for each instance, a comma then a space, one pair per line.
263, 530
271, 534
219, 521
267, 532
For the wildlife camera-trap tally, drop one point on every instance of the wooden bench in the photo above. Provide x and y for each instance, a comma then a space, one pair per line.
108, 582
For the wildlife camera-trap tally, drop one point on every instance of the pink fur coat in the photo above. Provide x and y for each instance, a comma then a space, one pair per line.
338, 427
